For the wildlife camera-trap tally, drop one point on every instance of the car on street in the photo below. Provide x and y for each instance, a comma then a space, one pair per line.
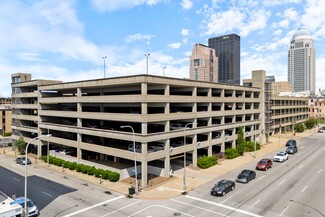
321, 130
281, 157
32, 208
22, 160
245, 176
291, 142
292, 149
264, 164
223, 187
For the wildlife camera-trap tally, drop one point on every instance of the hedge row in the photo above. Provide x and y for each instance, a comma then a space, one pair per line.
206, 162
85, 169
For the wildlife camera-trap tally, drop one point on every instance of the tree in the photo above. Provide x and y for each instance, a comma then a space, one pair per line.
241, 141
20, 143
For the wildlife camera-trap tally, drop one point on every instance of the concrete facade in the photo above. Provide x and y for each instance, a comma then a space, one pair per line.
280, 86
5, 116
203, 64
88, 116
317, 110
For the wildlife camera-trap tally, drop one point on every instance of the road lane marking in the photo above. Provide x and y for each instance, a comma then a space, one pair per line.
47, 194
282, 182
17, 179
121, 208
255, 203
226, 199
301, 166
304, 188
284, 211
319, 171
93, 206
261, 178
149, 207
198, 207
224, 206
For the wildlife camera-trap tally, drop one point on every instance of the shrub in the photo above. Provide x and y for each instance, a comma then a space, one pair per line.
249, 146
91, 171
231, 153
84, 169
78, 167
105, 174
7, 134
98, 172
66, 164
73, 165
114, 177
206, 162
299, 128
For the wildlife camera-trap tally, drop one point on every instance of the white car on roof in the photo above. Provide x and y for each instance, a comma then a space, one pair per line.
281, 156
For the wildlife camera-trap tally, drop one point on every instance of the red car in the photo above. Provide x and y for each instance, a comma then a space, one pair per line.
264, 164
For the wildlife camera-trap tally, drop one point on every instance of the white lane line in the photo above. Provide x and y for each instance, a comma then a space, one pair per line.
304, 188
255, 203
149, 207
282, 182
121, 208
261, 178
17, 179
319, 171
47, 194
224, 206
187, 204
226, 199
90, 207
301, 166
284, 211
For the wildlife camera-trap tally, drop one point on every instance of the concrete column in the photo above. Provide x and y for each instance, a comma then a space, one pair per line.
144, 128
39, 148
79, 152
167, 166
194, 154
210, 151
144, 165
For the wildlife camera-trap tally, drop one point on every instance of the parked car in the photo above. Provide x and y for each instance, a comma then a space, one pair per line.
291, 142
223, 187
177, 143
32, 208
158, 147
177, 127
70, 152
22, 160
321, 130
137, 148
281, 157
264, 164
292, 149
245, 176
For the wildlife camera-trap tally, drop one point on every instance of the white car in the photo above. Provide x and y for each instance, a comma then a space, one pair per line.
137, 148
281, 157
177, 127
32, 208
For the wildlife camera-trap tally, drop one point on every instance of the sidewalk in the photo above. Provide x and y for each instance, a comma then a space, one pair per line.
174, 186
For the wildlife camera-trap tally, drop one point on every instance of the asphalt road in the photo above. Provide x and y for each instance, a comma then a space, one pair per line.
295, 188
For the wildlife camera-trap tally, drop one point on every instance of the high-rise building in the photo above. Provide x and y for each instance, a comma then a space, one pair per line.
227, 50
203, 64
301, 62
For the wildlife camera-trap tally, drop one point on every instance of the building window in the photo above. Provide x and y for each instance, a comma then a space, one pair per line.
197, 62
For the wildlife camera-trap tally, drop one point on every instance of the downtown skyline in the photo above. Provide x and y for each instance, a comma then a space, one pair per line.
67, 40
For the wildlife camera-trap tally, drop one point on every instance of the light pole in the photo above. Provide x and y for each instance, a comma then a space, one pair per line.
104, 58
26, 149
254, 141
135, 160
279, 133
184, 177
147, 56
48, 148
164, 67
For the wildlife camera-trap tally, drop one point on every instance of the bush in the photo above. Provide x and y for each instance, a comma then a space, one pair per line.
206, 162
98, 172
78, 167
231, 153
299, 128
91, 171
7, 134
73, 165
249, 146
114, 177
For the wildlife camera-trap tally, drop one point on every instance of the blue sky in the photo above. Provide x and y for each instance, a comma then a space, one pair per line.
66, 40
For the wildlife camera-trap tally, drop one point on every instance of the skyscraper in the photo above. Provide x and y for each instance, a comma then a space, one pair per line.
301, 62
203, 64
227, 50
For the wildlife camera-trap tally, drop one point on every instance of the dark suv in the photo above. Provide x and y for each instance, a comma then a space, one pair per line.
291, 142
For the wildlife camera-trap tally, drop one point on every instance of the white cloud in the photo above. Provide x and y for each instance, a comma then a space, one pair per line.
175, 45
29, 56
320, 72
137, 37
280, 2
257, 21
291, 14
284, 23
186, 4
314, 19
112, 5
277, 32
185, 32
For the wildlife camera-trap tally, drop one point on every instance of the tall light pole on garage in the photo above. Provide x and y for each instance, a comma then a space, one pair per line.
147, 56
135, 160
184, 177
164, 68
25, 194
104, 58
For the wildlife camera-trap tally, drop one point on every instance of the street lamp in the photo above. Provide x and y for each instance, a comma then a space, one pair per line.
254, 141
164, 67
147, 56
104, 58
184, 177
135, 160
48, 148
26, 149
279, 133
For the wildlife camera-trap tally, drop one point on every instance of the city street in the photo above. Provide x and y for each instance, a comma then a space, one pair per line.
294, 188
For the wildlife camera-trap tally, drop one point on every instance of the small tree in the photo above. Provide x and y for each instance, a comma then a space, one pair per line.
310, 123
299, 128
20, 144
241, 141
